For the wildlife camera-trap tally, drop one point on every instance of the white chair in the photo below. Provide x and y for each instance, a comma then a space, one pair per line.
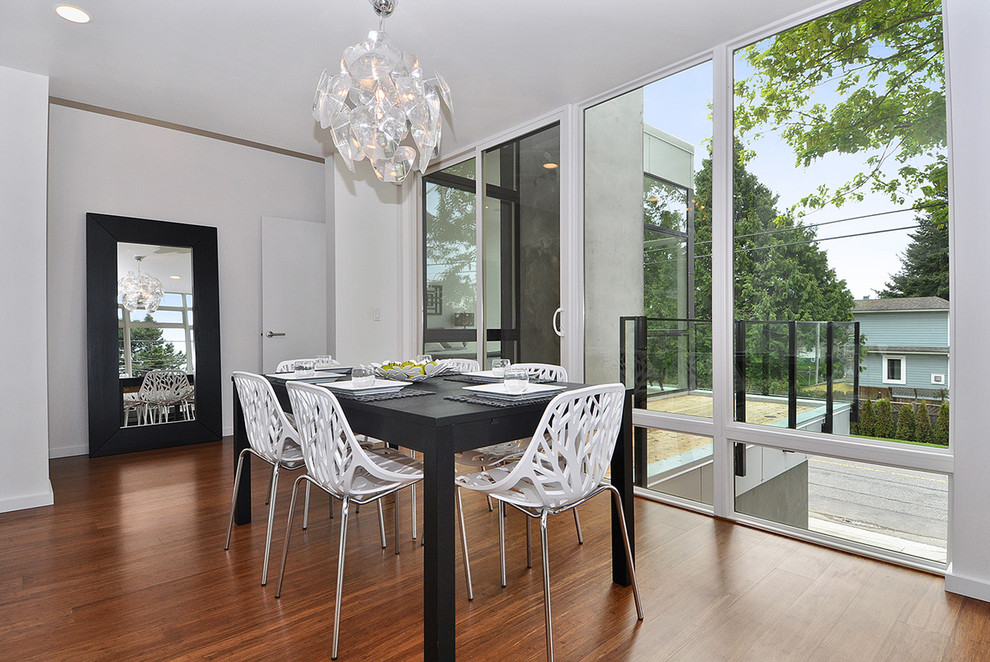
561, 468
340, 466
461, 365
544, 371
287, 366
271, 438
161, 390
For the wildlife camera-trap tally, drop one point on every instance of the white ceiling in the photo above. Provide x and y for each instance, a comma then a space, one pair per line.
248, 69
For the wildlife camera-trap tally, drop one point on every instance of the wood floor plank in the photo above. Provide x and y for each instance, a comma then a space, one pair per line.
129, 565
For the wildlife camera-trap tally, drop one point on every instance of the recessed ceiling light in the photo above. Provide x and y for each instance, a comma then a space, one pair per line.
74, 14
550, 166
175, 277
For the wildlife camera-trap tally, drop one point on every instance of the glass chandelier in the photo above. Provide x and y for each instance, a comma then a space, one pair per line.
138, 290
377, 101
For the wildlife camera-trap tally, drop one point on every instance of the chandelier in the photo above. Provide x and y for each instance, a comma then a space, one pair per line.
377, 101
140, 290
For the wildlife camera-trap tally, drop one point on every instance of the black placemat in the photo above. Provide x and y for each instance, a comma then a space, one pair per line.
495, 402
374, 397
472, 379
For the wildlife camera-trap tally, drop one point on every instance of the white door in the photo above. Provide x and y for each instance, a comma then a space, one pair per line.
294, 290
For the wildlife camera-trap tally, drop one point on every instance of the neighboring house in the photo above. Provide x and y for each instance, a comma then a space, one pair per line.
907, 342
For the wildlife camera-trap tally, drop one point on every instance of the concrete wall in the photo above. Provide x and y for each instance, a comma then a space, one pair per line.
99, 163
24, 389
613, 231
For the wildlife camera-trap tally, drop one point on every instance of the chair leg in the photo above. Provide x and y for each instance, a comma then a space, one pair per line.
269, 493
413, 493
577, 525
546, 585
501, 539
529, 544
306, 508
340, 576
288, 534
381, 522
271, 522
464, 548
233, 499
331, 507
395, 517
629, 559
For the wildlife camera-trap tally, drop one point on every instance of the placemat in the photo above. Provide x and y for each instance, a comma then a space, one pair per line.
374, 397
477, 379
494, 402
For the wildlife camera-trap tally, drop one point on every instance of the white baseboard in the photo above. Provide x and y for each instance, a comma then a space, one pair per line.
228, 432
26, 501
68, 451
968, 586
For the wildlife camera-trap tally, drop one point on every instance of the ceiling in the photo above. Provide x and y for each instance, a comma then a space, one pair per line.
248, 69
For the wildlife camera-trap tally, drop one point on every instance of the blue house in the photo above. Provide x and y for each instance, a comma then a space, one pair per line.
907, 341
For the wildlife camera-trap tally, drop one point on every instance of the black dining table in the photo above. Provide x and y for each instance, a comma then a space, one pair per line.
438, 427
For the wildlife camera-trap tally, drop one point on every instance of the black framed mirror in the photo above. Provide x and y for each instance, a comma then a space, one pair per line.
154, 356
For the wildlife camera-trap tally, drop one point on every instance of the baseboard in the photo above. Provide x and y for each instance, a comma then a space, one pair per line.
973, 588
68, 451
26, 501
228, 432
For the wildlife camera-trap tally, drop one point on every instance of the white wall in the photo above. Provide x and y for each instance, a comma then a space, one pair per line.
99, 163
968, 33
373, 221
24, 388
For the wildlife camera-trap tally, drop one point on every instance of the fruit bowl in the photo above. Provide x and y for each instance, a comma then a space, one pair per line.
409, 371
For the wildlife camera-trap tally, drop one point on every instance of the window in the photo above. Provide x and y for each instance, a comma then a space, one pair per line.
893, 370
938, 379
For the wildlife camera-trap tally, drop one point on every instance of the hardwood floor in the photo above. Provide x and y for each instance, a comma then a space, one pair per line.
129, 565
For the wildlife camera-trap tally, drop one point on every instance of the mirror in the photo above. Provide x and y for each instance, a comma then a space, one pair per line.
153, 334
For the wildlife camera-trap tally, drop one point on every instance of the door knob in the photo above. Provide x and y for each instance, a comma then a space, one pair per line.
272, 334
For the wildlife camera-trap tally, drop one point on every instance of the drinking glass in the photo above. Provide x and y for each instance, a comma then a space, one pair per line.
324, 361
516, 380
424, 358
302, 368
363, 375
499, 366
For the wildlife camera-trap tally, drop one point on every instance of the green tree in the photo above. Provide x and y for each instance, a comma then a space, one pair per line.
878, 68
925, 262
884, 423
149, 350
866, 419
941, 432
905, 423
923, 425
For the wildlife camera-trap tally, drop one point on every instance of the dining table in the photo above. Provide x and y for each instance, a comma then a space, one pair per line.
439, 418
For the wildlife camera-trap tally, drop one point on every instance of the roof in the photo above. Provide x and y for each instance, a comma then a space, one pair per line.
905, 349
899, 304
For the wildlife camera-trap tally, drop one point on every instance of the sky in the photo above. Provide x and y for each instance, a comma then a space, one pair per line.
680, 105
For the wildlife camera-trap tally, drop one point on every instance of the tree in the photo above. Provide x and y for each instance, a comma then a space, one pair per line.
925, 263
866, 419
878, 68
905, 423
941, 432
923, 425
883, 422
149, 350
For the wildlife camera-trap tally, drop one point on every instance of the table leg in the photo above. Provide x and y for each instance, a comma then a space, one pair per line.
242, 507
622, 479
439, 577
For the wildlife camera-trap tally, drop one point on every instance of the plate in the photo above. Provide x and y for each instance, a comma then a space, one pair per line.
498, 390
316, 374
486, 374
380, 386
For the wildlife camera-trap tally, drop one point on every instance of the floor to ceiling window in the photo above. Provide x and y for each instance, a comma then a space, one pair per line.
829, 167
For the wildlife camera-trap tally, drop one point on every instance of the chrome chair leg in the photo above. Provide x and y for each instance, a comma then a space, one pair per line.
577, 525
269, 493
546, 585
340, 576
395, 517
306, 508
233, 499
464, 547
381, 522
271, 522
616, 497
413, 516
288, 534
529, 544
501, 538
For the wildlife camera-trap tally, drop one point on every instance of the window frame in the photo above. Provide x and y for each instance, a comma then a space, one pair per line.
886, 360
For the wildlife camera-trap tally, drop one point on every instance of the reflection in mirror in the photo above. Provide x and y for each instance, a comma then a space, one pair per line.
156, 338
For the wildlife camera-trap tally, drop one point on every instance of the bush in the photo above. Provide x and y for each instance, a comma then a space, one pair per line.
942, 425
866, 419
884, 420
905, 423
923, 425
